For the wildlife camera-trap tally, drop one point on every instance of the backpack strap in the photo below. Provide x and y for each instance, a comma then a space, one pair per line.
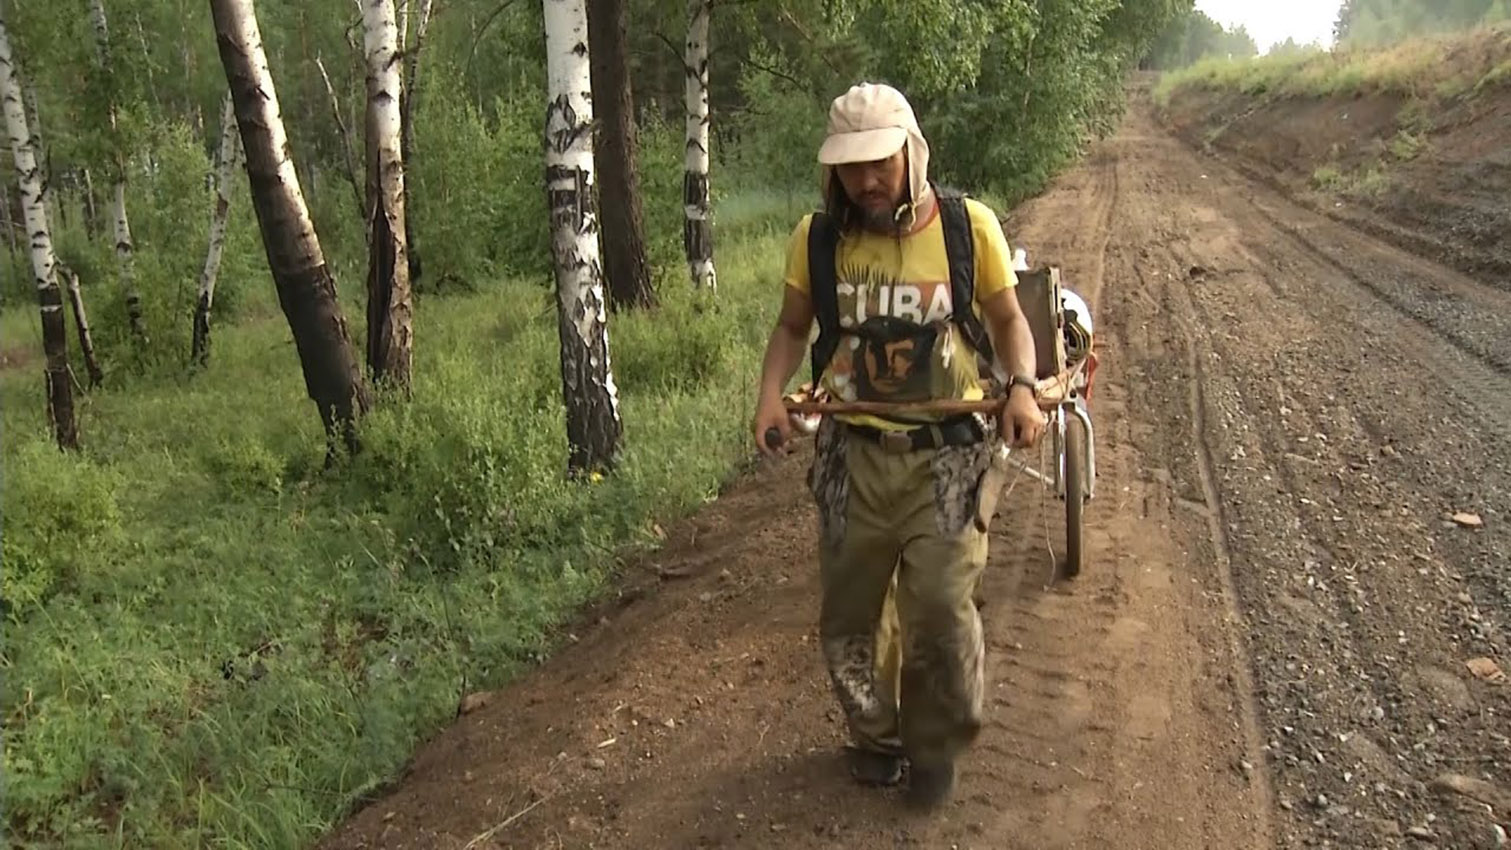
960, 248
823, 239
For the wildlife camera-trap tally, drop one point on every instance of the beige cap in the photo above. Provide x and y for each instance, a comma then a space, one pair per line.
866, 123
872, 121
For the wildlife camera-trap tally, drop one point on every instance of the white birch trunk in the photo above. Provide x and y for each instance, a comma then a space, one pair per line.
594, 428
44, 261
120, 223
124, 249
697, 229
403, 25
226, 159
101, 29
390, 336
38, 145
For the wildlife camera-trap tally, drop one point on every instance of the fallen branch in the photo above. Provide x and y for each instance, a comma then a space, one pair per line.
501, 826
346, 139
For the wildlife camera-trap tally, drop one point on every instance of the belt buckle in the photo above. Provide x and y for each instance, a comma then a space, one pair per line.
896, 442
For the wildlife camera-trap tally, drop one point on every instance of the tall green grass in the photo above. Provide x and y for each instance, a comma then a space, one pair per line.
212, 640
1448, 65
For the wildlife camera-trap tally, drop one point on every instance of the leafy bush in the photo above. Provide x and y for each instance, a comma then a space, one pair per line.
61, 519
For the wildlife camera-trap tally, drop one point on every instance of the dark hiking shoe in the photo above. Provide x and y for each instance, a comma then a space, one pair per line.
930, 783
869, 767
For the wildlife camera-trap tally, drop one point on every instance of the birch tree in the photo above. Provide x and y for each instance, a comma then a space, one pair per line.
594, 429
226, 160
697, 229
627, 271
407, 95
38, 142
306, 290
7, 223
389, 305
81, 326
44, 262
120, 222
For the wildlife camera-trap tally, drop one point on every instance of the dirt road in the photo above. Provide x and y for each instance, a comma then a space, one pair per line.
1270, 645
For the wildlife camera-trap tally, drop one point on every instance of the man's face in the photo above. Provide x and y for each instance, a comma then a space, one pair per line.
876, 187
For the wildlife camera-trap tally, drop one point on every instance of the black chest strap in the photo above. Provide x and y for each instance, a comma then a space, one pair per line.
960, 251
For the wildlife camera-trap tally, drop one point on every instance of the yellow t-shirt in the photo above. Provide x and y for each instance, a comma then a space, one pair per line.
882, 278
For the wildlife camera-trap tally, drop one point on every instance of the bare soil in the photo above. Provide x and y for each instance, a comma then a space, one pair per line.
1443, 167
1276, 642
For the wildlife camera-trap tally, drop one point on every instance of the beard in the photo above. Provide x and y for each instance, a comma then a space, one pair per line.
880, 219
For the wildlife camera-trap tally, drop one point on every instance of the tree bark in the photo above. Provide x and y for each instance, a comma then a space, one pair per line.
81, 325
44, 262
625, 266
306, 291
408, 94
120, 222
91, 207
226, 159
9, 222
697, 229
38, 144
390, 337
594, 429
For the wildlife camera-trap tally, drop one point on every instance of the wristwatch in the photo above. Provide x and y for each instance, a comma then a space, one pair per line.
1023, 381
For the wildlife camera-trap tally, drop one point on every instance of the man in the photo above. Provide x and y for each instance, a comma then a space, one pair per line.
898, 495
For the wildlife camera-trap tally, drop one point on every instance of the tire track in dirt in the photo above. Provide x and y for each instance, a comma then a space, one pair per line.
1357, 623
1224, 689
1473, 321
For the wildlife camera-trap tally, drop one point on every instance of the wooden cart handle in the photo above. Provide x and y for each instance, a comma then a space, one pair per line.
880, 408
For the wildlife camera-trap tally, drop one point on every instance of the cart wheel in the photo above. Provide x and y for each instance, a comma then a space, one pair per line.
1075, 492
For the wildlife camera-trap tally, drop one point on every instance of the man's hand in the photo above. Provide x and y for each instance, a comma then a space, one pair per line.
771, 413
1022, 422
784, 351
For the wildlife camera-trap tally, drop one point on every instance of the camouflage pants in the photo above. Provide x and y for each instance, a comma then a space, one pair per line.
900, 557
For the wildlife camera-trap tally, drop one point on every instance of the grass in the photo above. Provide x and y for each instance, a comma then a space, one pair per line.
1423, 75
211, 640
1442, 66
1372, 181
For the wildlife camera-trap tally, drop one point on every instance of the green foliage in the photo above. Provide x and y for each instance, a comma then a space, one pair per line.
1049, 87
934, 48
1007, 93
54, 534
660, 155
1421, 69
775, 137
1195, 36
1373, 23
1407, 146
212, 640
479, 208
1371, 181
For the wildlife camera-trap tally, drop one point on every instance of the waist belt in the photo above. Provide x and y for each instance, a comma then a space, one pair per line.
960, 432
